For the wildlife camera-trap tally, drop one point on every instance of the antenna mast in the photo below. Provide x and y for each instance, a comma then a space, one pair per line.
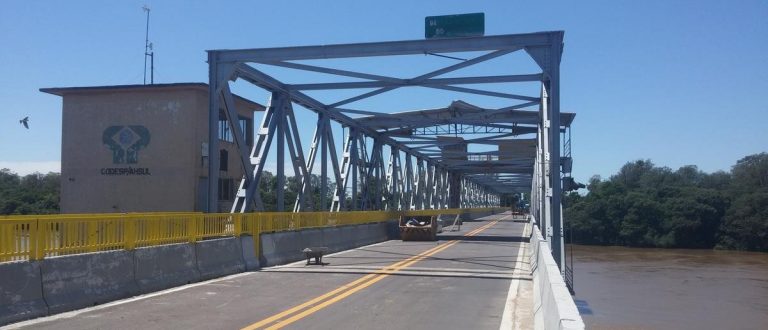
148, 52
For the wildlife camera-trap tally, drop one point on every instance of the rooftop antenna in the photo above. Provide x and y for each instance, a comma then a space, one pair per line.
148, 52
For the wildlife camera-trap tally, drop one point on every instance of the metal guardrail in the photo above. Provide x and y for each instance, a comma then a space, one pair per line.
28, 237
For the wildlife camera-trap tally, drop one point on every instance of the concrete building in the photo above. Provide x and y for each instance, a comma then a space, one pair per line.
143, 148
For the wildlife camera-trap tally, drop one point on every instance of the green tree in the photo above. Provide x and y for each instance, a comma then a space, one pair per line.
746, 221
32, 194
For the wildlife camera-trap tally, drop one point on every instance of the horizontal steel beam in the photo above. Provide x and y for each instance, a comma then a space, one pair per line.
427, 82
412, 47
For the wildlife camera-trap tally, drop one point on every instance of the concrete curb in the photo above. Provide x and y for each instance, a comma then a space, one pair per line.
23, 299
77, 281
165, 266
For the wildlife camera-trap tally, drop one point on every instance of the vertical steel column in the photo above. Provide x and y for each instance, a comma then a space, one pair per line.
403, 197
323, 159
361, 183
430, 186
409, 182
553, 85
438, 190
454, 190
280, 188
213, 132
540, 170
420, 185
390, 184
355, 166
380, 177
372, 188
547, 169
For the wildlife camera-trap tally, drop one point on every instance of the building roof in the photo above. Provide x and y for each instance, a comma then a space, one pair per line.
62, 91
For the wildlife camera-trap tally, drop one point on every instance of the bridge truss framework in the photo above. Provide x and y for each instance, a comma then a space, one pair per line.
418, 169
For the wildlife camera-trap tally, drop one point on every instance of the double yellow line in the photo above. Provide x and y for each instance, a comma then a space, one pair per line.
296, 313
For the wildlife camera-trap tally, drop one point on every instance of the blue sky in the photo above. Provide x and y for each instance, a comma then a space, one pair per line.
677, 82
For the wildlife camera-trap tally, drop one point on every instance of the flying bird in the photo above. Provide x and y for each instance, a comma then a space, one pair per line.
25, 122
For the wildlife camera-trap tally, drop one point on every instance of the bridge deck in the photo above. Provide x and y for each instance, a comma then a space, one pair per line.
469, 279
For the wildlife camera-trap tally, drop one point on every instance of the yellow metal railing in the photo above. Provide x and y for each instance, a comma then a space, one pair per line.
29, 237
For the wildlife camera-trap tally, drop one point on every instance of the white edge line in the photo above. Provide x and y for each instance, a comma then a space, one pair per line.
507, 317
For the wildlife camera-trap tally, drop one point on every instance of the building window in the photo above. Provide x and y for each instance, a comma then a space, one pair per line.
223, 160
226, 189
226, 134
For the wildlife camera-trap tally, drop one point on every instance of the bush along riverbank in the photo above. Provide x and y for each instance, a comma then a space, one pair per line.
645, 205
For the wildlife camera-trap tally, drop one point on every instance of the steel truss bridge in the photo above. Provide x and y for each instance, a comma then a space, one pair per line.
457, 155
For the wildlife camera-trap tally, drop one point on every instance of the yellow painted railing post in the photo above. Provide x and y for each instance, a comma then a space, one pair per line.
238, 224
35, 248
129, 225
256, 233
91, 241
192, 234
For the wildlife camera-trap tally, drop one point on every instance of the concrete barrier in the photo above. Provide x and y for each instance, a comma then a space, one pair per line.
219, 257
82, 280
280, 248
393, 229
165, 266
382, 232
312, 237
348, 238
379, 232
364, 235
250, 258
552, 303
21, 295
333, 239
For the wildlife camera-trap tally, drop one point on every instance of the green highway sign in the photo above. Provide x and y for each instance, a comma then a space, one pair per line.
451, 26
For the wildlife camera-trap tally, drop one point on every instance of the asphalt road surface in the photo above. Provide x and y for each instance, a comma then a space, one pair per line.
475, 278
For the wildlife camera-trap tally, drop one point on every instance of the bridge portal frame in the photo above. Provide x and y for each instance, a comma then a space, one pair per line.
423, 187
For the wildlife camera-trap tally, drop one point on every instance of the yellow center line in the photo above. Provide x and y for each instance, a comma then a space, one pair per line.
353, 286
323, 297
349, 292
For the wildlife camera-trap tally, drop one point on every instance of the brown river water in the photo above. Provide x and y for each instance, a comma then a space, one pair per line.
633, 288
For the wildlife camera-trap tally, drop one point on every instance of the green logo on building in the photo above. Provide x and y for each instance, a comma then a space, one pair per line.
125, 142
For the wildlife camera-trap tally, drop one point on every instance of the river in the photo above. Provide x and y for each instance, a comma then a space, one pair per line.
633, 288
